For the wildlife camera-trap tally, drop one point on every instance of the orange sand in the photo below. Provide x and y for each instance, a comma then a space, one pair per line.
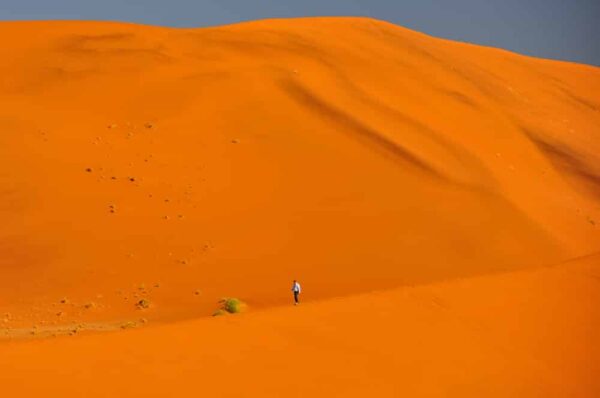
522, 334
184, 165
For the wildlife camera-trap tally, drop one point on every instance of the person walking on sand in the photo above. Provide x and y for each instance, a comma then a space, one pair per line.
296, 289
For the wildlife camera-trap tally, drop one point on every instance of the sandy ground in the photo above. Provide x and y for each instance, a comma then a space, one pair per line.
373, 163
520, 334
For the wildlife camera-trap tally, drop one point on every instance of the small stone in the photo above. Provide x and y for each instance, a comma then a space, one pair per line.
143, 304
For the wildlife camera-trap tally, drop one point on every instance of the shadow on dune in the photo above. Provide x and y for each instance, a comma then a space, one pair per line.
567, 160
358, 130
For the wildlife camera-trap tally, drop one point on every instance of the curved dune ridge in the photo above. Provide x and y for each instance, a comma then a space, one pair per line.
184, 165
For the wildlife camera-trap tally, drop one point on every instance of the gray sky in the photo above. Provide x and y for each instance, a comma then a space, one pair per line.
559, 29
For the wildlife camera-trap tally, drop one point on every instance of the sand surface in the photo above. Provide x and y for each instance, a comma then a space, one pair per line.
520, 334
438, 201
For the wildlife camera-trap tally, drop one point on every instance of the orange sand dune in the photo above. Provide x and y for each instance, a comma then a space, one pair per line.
184, 165
521, 334
349, 153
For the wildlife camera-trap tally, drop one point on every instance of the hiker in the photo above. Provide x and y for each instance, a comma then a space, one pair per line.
296, 289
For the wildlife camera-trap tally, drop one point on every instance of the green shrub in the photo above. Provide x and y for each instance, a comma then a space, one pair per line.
232, 305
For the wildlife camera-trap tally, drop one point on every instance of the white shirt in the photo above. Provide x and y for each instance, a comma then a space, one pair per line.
296, 287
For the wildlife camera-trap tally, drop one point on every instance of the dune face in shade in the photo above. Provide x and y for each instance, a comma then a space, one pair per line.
180, 166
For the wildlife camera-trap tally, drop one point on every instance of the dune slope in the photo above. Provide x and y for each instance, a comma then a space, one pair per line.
184, 165
526, 333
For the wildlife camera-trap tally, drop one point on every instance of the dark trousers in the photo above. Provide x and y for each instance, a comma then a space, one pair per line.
296, 297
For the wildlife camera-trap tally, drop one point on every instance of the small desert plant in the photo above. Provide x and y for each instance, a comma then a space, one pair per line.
232, 305
220, 312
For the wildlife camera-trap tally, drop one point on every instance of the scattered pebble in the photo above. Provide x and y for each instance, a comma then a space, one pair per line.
128, 325
143, 304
